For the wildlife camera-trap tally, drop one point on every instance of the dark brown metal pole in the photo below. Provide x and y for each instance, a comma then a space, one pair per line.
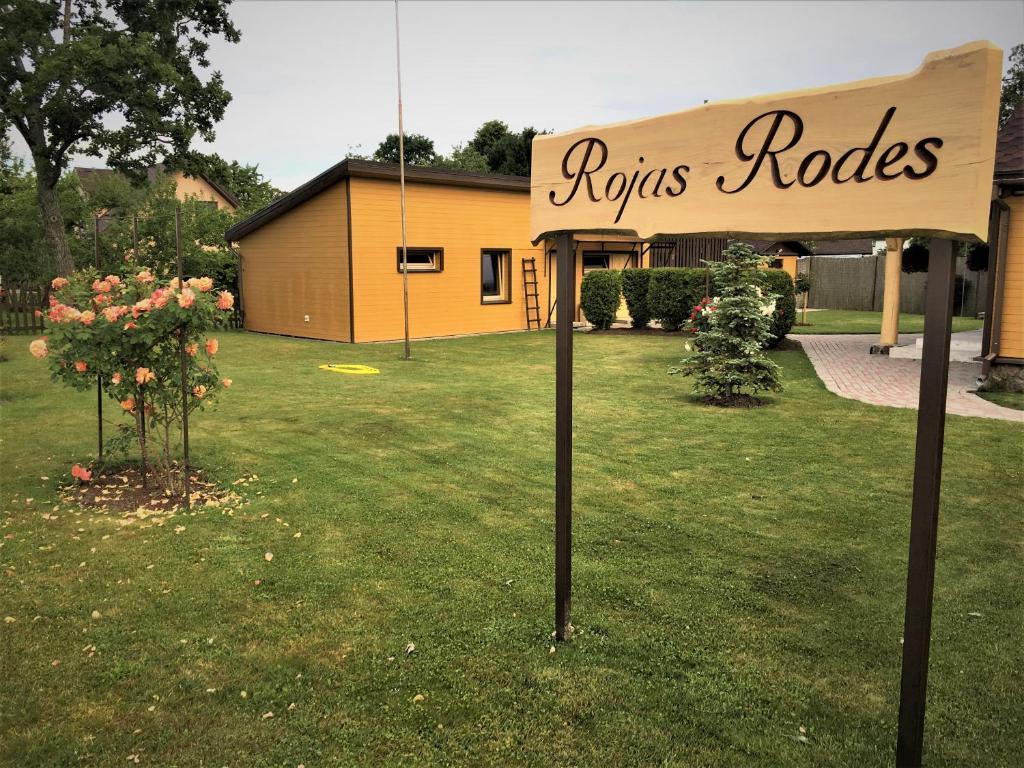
566, 257
142, 402
184, 364
99, 379
924, 516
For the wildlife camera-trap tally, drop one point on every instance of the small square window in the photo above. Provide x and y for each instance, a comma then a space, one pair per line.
422, 259
592, 261
495, 276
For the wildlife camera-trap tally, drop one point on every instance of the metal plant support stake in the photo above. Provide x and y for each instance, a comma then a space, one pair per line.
99, 379
184, 364
142, 399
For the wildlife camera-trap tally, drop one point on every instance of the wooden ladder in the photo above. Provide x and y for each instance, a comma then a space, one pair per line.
530, 293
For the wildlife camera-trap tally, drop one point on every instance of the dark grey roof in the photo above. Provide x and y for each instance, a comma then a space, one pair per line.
1010, 147
372, 170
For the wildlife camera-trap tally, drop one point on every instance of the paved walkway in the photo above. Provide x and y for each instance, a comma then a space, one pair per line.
845, 367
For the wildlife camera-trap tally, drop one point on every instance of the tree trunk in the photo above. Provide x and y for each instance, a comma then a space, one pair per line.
53, 223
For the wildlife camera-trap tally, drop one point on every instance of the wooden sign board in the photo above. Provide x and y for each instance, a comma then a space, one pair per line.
892, 156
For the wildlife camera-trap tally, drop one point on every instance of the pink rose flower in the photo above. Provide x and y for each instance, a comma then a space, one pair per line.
186, 298
113, 279
81, 473
199, 391
129, 325
38, 348
128, 404
212, 345
145, 276
81, 366
116, 378
59, 282
225, 300
101, 286
201, 284
191, 349
87, 317
143, 375
226, 383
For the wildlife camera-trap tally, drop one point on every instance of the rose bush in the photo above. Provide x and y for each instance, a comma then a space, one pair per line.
126, 330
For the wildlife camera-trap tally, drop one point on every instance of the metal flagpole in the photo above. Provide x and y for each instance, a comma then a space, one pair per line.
401, 187
184, 364
99, 379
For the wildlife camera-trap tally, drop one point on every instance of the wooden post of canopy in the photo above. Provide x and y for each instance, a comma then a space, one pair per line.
890, 334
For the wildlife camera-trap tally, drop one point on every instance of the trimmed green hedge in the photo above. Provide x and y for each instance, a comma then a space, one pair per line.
600, 295
778, 282
673, 293
635, 285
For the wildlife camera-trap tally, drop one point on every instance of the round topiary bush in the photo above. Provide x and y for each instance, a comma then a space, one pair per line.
600, 295
779, 283
635, 285
673, 293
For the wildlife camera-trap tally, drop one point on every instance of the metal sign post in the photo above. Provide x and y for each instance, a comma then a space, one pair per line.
565, 255
924, 514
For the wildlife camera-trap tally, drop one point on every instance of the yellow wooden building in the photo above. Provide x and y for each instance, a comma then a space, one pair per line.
1003, 335
324, 261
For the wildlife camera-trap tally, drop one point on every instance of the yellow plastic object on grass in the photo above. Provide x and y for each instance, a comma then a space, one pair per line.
355, 370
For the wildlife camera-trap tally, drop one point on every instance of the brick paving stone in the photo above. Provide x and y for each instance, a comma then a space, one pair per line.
844, 366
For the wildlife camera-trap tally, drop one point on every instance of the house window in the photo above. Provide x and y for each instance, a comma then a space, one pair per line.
592, 261
495, 276
422, 259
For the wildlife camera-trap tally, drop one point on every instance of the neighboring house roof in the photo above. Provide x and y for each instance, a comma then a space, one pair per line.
1010, 147
864, 245
88, 175
773, 247
372, 170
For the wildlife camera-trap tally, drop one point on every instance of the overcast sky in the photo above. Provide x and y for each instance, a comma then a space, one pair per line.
313, 79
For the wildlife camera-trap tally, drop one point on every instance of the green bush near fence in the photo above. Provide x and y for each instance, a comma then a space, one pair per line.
673, 293
600, 295
635, 285
778, 282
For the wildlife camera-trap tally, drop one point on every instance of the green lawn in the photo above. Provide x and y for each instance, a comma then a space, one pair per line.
739, 575
852, 321
1013, 400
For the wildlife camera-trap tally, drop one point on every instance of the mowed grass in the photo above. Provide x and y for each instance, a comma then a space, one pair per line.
738, 575
853, 321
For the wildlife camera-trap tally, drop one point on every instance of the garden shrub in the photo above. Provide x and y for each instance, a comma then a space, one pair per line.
729, 365
778, 283
635, 285
126, 331
600, 295
673, 293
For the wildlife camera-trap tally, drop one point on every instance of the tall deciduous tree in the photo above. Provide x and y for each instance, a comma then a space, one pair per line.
1012, 95
506, 152
244, 181
419, 150
114, 77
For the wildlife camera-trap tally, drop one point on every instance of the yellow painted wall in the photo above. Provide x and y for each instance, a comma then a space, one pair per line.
187, 186
462, 220
1011, 332
788, 265
297, 265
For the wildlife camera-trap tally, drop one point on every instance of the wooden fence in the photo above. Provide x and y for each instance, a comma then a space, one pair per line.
858, 283
18, 311
18, 307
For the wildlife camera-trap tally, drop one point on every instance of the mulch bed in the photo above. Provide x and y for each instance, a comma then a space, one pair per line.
121, 490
